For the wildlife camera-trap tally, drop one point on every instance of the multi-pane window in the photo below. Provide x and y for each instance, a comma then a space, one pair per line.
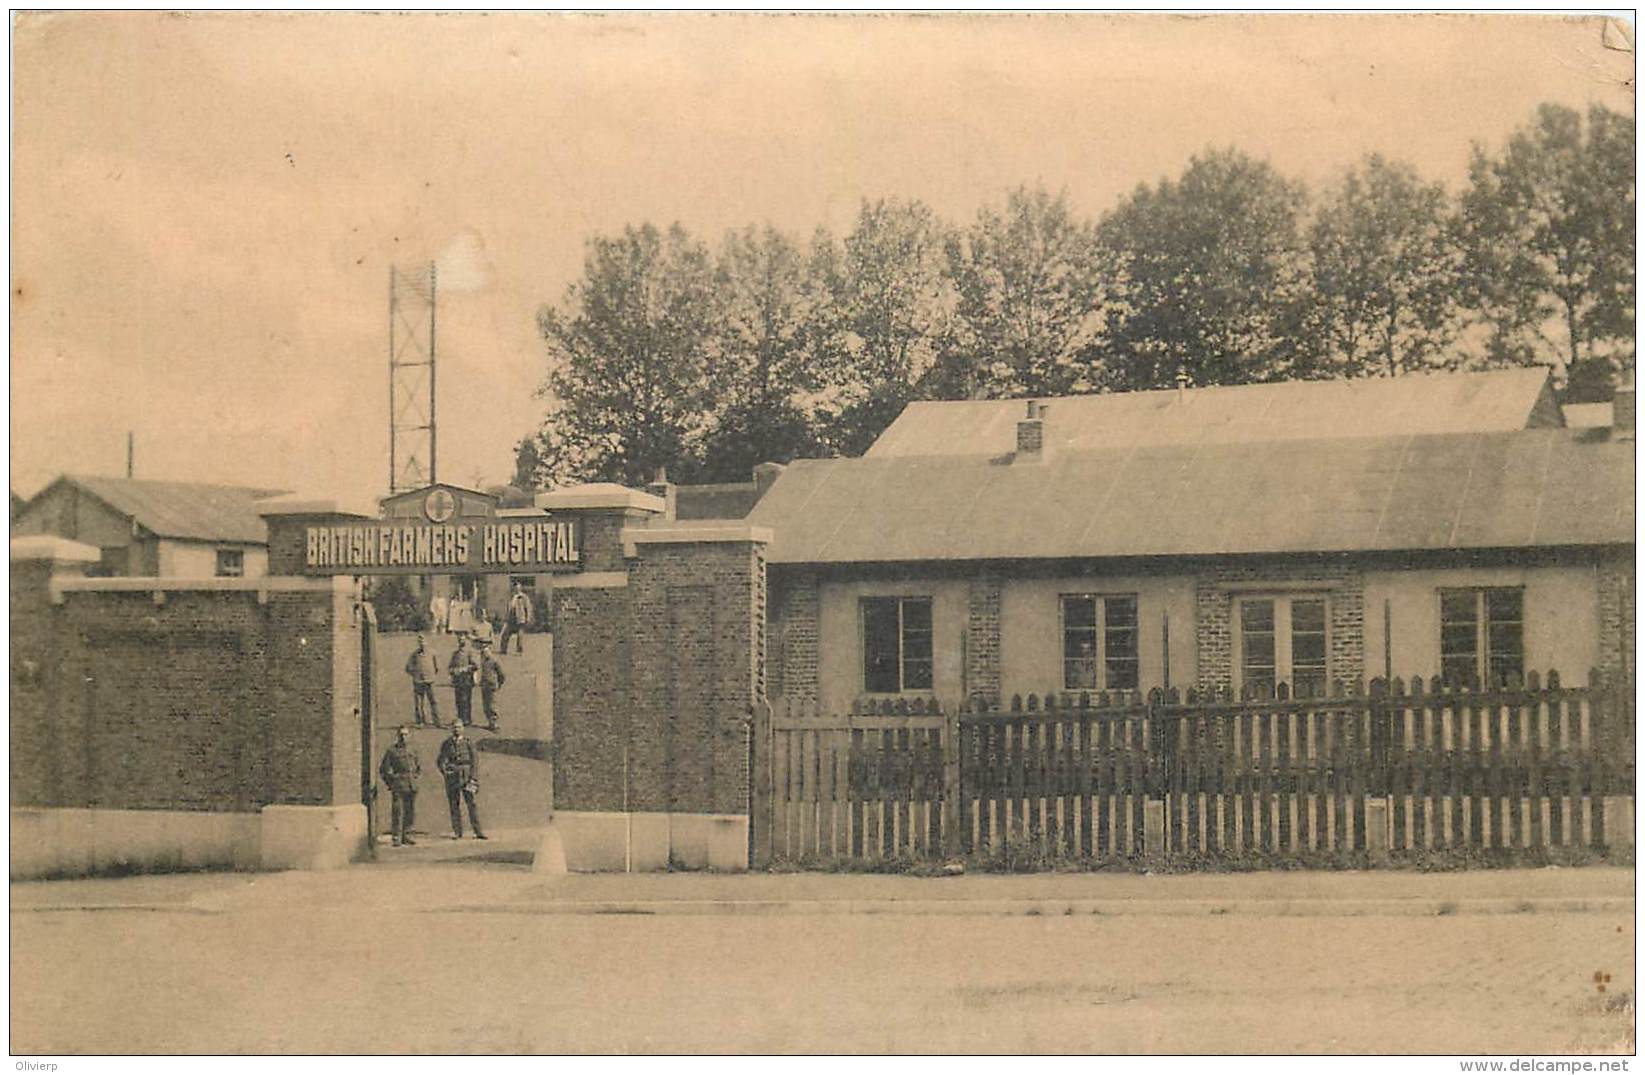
1481, 635
1099, 642
1283, 640
231, 563
896, 644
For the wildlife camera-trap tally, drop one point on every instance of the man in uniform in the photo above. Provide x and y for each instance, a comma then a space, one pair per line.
399, 770
420, 667
459, 764
463, 670
519, 614
491, 681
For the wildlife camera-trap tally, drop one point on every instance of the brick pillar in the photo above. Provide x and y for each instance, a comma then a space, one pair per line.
792, 652
982, 637
35, 562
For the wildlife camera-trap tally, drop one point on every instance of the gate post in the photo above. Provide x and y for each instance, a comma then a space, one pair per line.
1161, 760
759, 807
951, 790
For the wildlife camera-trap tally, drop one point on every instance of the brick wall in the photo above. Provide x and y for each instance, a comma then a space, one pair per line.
1617, 583
1216, 587
982, 637
792, 637
664, 671
212, 700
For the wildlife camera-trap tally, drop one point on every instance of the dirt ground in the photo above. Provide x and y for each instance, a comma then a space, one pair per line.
350, 968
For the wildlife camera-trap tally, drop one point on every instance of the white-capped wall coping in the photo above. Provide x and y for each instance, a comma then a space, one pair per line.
634, 536
309, 505
598, 495
519, 513
60, 550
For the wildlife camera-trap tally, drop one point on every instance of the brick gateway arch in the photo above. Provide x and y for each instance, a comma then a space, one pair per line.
657, 650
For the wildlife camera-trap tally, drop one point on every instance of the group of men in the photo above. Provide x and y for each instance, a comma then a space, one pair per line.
467, 669
458, 762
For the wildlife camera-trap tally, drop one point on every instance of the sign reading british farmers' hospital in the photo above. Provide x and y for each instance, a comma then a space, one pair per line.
443, 541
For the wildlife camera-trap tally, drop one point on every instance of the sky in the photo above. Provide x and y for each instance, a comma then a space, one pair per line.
205, 207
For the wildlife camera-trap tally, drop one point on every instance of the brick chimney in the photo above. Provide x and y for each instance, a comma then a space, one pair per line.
765, 476
1031, 434
1622, 414
664, 490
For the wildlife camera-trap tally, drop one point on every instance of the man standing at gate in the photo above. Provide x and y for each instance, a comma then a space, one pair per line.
399, 770
420, 667
463, 670
519, 614
491, 681
459, 763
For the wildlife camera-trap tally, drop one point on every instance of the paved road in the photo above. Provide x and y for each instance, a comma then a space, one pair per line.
316, 963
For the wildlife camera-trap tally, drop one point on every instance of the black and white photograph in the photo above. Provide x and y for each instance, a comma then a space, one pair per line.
812, 533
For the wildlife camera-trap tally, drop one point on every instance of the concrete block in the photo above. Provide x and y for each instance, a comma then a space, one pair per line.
1619, 820
311, 837
728, 843
593, 841
688, 841
650, 835
35, 842
550, 856
1379, 817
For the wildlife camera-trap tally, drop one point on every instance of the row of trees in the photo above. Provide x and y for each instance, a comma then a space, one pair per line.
707, 361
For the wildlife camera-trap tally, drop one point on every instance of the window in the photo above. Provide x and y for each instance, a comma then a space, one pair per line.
1481, 635
231, 563
1099, 642
896, 644
1282, 640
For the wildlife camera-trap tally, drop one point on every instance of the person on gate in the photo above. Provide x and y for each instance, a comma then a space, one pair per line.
519, 614
491, 681
459, 763
420, 667
463, 670
438, 610
399, 770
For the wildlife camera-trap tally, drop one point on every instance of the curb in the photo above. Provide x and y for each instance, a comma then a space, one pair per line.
1054, 908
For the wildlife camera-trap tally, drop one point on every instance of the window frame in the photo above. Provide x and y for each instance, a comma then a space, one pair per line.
900, 600
1479, 596
239, 554
1284, 630
1099, 654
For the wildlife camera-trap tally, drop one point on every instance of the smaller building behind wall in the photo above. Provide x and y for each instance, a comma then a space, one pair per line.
154, 529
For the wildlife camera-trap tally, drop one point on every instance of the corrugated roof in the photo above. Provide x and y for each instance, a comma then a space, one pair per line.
1545, 487
187, 510
1497, 400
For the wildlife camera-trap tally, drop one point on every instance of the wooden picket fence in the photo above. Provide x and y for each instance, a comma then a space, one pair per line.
1111, 777
867, 785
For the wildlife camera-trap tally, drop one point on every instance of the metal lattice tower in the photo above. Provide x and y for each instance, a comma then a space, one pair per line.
411, 441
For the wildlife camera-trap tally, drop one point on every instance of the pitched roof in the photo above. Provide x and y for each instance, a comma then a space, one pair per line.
1544, 487
186, 510
1497, 400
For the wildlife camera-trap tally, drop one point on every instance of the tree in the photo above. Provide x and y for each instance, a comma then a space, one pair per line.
764, 375
1548, 227
1384, 272
1208, 275
889, 304
630, 360
1028, 296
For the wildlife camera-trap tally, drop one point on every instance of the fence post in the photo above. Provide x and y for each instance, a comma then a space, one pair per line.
1154, 849
1610, 714
951, 790
1378, 802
